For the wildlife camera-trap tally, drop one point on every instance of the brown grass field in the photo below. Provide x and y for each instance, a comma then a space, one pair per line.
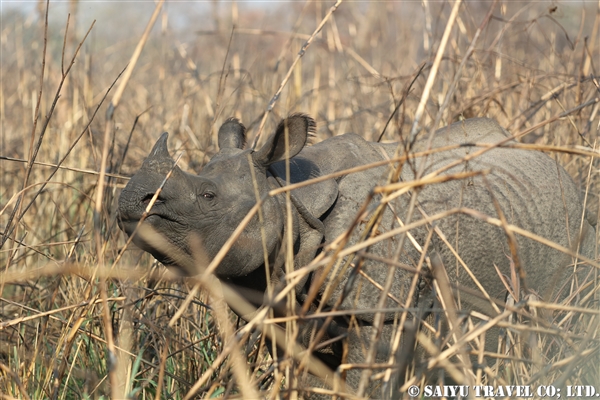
81, 318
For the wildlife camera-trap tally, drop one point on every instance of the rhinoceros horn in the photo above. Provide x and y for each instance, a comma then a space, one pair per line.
159, 160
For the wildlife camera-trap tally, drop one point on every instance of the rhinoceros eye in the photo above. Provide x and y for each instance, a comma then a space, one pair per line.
208, 195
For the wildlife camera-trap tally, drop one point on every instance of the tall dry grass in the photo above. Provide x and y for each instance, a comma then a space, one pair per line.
75, 324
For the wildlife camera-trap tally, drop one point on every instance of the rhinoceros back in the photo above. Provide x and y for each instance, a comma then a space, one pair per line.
532, 191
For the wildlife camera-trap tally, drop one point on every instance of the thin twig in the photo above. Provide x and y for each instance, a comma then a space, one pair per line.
32, 153
9, 226
291, 69
433, 72
64, 167
404, 96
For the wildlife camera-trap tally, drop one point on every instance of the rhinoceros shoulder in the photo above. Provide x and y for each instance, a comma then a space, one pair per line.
317, 197
333, 155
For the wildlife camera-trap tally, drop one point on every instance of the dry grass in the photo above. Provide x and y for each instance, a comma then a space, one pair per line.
76, 324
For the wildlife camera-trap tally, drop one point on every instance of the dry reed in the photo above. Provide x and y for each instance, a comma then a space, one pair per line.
85, 315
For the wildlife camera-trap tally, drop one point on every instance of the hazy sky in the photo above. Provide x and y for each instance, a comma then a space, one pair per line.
183, 15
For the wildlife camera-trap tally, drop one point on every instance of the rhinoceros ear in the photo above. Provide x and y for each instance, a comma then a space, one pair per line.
298, 127
232, 134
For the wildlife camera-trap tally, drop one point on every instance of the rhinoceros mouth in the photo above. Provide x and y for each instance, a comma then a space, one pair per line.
130, 226
153, 219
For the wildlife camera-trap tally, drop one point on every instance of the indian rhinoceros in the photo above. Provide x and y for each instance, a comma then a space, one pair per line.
529, 188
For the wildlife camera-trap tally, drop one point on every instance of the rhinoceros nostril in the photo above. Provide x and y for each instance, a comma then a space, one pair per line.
148, 197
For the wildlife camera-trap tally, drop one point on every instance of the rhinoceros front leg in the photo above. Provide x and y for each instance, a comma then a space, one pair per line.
356, 346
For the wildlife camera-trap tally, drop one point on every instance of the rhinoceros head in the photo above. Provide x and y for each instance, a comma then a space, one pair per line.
208, 207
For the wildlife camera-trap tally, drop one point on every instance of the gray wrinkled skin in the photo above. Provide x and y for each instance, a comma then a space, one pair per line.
532, 191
